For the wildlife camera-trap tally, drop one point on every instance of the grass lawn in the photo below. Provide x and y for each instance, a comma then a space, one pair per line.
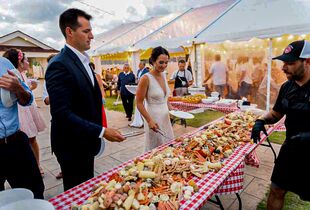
203, 118
199, 120
292, 201
277, 137
109, 104
119, 108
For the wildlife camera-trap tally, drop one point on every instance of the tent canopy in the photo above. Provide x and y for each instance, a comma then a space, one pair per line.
181, 31
108, 36
260, 19
171, 31
124, 41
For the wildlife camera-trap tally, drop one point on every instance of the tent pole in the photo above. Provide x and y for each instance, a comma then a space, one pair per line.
195, 64
269, 75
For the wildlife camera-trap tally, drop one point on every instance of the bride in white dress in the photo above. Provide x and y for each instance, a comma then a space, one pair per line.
154, 89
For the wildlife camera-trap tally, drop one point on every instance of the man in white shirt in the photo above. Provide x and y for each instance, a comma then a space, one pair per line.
76, 102
182, 79
218, 72
246, 82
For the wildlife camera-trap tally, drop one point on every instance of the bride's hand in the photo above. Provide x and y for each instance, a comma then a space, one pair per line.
153, 125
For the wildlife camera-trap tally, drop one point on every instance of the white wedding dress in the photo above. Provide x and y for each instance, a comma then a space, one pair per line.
156, 106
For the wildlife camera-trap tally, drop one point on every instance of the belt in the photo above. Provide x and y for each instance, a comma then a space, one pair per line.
9, 138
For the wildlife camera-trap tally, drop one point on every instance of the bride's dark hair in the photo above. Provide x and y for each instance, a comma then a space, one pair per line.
156, 52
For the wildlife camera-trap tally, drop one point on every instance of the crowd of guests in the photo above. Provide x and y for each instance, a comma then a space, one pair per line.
245, 77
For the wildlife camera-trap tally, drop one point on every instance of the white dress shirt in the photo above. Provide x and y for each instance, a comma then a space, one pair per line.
84, 58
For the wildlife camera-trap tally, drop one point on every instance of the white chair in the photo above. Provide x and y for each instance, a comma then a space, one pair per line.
33, 204
13, 195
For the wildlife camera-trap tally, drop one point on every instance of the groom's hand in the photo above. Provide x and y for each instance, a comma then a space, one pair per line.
113, 135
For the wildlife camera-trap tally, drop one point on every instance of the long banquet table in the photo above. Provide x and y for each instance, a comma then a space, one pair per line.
228, 180
183, 106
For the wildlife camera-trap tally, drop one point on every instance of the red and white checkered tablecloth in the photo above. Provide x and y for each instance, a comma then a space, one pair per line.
227, 180
233, 183
281, 126
225, 109
209, 184
183, 108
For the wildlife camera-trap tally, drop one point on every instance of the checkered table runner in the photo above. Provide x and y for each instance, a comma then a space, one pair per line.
233, 183
209, 184
183, 108
281, 126
227, 180
221, 108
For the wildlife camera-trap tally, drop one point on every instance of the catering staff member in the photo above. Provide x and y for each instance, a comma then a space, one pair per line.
293, 101
126, 78
182, 79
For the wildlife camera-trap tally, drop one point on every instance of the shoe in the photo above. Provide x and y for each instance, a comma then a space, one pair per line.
129, 118
59, 176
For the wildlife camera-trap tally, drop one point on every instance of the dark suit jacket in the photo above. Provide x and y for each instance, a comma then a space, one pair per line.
76, 108
123, 80
144, 71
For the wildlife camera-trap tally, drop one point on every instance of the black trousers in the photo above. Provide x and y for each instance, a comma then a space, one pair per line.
19, 167
76, 171
128, 104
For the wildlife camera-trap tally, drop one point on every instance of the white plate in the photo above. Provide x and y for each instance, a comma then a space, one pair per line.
13, 195
248, 107
132, 88
225, 102
215, 94
33, 204
180, 114
209, 100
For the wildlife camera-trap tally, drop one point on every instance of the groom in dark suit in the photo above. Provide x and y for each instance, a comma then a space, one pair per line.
76, 102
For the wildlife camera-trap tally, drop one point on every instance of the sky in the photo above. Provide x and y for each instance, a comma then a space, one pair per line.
39, 18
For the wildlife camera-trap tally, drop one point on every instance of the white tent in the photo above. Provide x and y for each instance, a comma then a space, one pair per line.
123, 41
108, 36
181, 30
260, 19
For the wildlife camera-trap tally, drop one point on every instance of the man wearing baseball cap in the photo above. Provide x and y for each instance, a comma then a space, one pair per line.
289, 173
